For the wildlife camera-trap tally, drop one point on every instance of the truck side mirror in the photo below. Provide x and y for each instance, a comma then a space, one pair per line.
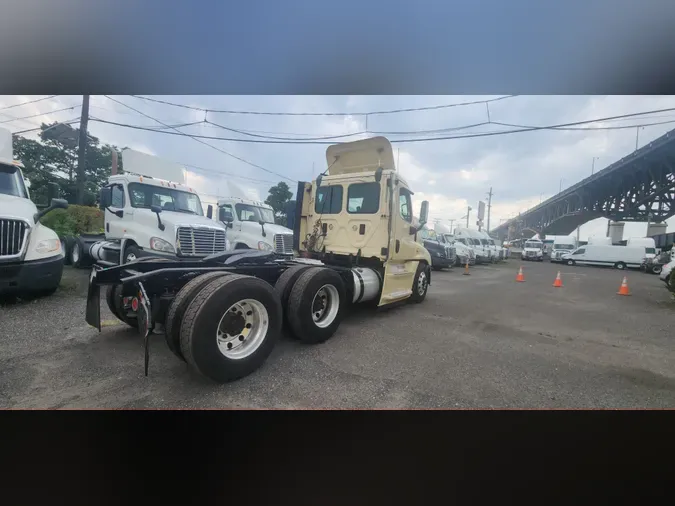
424, 213
105, 197
55, 204
225, 217
209, 212
157, 210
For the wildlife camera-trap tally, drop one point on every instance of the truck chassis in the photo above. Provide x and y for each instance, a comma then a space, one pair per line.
223, 314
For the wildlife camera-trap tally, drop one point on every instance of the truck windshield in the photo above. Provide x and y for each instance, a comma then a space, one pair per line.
484, 242
449, 238
650, 251
533, 244
563, 246
11, 182
169, 199
247, 212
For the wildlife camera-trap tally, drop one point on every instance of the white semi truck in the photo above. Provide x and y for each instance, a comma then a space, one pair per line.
146, 215
533, 250
563, 245
251, 225
31, 255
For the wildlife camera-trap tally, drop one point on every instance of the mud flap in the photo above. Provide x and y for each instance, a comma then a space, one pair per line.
93, 312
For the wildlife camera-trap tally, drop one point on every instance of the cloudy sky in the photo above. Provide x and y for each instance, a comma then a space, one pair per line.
521, 168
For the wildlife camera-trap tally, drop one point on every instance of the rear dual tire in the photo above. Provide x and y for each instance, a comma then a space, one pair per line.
230, 327
315, 305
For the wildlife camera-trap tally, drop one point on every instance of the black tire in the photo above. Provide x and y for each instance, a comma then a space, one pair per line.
66, 242
570, 262
110, 299
285, 283
300, 305
177, 308
620, 265
77, 253
132, 249
657, 269
201, 320
419, 292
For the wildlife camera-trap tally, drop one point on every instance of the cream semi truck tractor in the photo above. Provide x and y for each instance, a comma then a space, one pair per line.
222, 314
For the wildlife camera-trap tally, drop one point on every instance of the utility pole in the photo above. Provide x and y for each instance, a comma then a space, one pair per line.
560, 190
82, 150
489, 204
468, 211
637, 135
593, 166
451, 222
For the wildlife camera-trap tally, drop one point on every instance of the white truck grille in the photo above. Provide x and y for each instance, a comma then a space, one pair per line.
200, 241
12, 237
283, 243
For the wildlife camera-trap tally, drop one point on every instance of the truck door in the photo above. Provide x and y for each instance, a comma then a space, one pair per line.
404, 250
114, 224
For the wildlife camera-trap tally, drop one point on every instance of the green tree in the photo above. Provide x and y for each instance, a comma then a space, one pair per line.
279, 195
53, 159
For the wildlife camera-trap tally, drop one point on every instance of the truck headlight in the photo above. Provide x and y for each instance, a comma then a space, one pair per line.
48, 246
262, 245
161, 245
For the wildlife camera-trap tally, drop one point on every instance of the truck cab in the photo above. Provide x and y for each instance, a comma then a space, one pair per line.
149, 216
442, 254
251, 226
358, 214
533, 249
31, 255
562, 246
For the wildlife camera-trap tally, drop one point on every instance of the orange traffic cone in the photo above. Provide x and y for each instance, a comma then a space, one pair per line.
623, 290
466, 270
558, 281
520, 277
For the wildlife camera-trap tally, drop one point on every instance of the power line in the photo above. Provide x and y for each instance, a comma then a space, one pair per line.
370, 113
410, 140
198, 139
69, 122
29, 102
36, 115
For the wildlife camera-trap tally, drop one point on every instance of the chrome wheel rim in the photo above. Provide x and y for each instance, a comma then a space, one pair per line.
422, 283
75, 255
325, 306
242, 329
130, 258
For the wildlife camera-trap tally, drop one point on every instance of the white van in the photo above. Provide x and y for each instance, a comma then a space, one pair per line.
470, 238
619, 257
647, 243
562, 246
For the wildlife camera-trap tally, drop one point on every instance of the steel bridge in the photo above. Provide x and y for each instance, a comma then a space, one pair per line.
630, 189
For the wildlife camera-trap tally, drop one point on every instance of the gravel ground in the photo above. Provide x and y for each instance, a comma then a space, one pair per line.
478, 341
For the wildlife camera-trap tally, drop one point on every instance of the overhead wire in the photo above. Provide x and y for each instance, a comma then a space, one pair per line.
29, 102
523, 128
198, 139
367, 113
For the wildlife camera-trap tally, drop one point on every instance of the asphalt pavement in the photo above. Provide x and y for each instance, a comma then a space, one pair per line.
478, 341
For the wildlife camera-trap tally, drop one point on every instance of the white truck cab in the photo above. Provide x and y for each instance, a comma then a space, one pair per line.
149, 216
562, 245
533, 249
251, 226
31, 255
472, 239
